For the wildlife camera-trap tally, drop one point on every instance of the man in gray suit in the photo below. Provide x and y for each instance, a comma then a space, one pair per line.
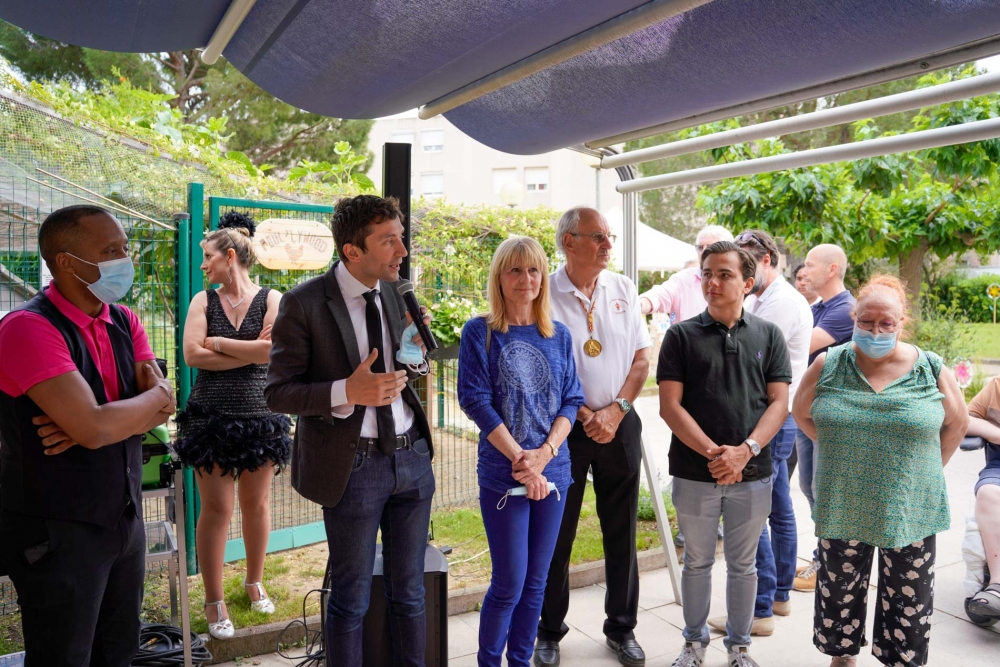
362, 444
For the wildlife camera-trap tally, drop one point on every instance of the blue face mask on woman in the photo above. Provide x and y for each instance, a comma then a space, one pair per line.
873, 345
115, 281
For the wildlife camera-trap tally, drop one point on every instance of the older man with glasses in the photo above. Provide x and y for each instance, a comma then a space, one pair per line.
611, 346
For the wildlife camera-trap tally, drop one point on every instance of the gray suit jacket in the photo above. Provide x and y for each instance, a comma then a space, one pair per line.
312, 345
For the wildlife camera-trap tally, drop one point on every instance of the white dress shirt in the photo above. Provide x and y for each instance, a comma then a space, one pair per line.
785, 306
619, 327
353, 291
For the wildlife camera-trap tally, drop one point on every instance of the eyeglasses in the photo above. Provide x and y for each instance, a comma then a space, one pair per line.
749, 237
598, 237
885, 326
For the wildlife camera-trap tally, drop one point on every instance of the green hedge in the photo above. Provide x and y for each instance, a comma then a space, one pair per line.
965, 297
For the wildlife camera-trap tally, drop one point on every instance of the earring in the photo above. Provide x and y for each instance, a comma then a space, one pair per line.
229, 272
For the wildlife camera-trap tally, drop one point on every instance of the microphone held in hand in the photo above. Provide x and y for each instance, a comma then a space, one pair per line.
405, 289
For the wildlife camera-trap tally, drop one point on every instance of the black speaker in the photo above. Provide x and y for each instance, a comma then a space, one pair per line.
377, 649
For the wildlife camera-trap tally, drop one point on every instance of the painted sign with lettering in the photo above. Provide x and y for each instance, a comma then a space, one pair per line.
299, 245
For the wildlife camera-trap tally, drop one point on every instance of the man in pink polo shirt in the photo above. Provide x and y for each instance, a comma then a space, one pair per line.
78, 387
681, 294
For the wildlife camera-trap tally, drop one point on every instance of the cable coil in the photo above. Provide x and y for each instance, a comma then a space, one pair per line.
162, 645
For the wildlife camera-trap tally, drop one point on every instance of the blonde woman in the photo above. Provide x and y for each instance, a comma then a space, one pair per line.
517, 381
227, 432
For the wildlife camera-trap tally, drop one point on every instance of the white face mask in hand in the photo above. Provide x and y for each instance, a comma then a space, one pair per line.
116, 278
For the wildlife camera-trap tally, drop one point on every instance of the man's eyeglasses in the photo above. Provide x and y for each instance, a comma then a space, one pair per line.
884, 326
598, 237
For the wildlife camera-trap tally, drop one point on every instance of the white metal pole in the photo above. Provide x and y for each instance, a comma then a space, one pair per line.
883, 106
613, 29
224, 32
914, 141
630, 223
182, 565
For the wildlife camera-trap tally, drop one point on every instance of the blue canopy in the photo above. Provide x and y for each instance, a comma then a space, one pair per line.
371, 58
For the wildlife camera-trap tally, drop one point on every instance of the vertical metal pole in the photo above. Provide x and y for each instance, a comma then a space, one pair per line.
631, 223
396, 183
180, 493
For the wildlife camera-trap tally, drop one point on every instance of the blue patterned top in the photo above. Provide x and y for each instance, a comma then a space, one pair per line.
879, 476
525, 383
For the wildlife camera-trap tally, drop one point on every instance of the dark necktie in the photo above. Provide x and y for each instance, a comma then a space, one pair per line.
383, 413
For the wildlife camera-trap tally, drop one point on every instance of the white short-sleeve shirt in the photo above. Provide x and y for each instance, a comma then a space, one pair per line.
783, 305
619, 327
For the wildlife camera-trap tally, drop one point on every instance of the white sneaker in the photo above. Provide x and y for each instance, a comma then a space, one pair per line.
691, 656
738, 657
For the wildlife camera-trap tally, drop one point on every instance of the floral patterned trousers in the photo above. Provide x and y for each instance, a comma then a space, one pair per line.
905, 593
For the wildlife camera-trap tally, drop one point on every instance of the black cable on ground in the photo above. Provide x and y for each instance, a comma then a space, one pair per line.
315, 655
162, 645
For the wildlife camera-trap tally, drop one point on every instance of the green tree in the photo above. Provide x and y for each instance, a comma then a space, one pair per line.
895, 207
263, 127
674, 210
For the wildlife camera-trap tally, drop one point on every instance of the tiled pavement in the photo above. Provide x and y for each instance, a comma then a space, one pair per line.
955, 642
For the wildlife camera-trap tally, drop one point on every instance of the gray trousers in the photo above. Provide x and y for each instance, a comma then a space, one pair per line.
744, 507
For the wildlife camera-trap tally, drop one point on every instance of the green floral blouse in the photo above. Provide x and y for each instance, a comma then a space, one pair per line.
879, 475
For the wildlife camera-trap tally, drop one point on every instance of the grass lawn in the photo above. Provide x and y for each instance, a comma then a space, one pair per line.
985, 341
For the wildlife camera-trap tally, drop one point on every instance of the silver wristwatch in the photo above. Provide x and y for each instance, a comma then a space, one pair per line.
623, 404
753, 445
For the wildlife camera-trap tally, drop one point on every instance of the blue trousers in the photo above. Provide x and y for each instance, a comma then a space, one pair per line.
777, 549
392, 493
522, 537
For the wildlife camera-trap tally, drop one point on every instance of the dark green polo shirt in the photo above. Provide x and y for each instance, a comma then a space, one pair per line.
725, 374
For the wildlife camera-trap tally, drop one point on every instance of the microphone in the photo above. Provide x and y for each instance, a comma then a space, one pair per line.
405, 289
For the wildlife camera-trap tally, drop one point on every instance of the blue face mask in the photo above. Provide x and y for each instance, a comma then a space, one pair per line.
872, 345
115, 281
409, 352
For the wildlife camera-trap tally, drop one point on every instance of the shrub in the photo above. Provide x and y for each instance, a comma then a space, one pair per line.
963, 297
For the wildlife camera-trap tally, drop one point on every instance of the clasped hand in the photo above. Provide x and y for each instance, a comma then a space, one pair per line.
527, 469
601, 425
726, 463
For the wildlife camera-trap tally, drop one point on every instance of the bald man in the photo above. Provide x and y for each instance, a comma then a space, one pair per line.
833, 324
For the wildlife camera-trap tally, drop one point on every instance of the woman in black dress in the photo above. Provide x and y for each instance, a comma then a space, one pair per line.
227, 432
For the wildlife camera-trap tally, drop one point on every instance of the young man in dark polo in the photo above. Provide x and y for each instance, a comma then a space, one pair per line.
78, 386
723, 378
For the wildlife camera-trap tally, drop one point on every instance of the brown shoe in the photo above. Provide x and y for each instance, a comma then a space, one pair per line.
782, 607
762, 627
805, 581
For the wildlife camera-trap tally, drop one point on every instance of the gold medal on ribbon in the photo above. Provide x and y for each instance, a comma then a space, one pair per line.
592, 348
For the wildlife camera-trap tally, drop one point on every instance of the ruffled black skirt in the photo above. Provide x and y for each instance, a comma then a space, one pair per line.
210, 438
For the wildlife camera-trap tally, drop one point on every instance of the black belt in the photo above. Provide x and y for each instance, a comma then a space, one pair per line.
402, 441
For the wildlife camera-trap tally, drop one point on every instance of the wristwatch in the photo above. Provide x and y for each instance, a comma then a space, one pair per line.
752, 444
552, 448
623, 404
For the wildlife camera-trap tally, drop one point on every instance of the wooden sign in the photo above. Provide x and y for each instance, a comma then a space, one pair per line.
297, 245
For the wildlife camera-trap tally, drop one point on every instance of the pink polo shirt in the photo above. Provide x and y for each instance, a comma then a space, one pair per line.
32, 350
681, 295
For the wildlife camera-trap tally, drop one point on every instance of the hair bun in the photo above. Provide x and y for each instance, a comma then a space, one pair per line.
235, 220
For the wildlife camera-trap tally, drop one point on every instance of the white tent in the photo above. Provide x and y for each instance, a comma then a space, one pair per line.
655, 251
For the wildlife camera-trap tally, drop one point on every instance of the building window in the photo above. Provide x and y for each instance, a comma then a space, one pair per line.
501, 177
402, 137
432, 185
432, 141
536, 179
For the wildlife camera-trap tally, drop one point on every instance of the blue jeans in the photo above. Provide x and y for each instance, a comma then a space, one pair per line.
777, 550
744, 508
392, 493
522, 537
807, 466
807, 470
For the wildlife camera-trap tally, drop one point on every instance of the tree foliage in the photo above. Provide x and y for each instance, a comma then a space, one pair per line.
896, 207
264, 128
